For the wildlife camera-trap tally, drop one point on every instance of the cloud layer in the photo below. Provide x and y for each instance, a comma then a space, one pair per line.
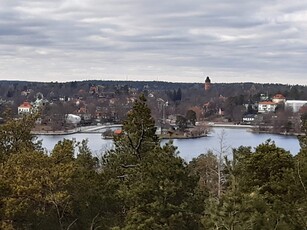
183, 41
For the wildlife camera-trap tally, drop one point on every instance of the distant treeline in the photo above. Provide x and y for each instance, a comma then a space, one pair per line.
10, 89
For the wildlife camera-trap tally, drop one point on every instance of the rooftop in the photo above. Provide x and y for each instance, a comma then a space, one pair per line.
267, 103
25, 105
279, 96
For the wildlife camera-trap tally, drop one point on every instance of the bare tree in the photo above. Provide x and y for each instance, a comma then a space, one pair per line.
221, 153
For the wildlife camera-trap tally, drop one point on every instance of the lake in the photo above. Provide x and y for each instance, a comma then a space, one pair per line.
189, 148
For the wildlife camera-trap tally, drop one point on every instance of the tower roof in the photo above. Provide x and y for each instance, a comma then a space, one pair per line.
279, 96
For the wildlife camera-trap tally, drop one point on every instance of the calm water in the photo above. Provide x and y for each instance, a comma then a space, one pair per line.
189, 148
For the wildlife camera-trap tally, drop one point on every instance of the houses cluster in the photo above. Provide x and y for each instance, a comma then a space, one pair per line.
266, 106
279, 100
103, 103
30, 107
86, 107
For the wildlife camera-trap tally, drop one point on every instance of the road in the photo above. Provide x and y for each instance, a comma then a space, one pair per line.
98, 128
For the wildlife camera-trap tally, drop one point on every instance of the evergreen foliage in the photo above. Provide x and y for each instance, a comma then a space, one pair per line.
15, 137
154, 185
140, 184
191, 116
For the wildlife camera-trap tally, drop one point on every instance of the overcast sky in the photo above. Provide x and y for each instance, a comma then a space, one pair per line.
178, 40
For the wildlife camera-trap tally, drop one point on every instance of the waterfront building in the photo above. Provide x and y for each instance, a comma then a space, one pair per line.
266, 106
295, 105
249, 118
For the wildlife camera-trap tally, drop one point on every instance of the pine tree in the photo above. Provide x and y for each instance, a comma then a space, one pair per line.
299, 210
139, 130
16, 136
261, 192
153, 185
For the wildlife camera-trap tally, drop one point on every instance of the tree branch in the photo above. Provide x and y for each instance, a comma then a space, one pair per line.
137, 149
128, 166
130, 141
122, 176
139, 142
94, 221
72, 223
299, 176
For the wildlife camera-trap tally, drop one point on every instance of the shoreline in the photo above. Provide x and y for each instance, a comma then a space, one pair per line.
51, 133
182, 137
253, 128
226, 125
281, 134
167, 137
250, 128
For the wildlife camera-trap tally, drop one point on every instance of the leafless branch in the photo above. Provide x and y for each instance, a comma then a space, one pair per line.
94, 222
72, 223
128, 166
122, 176
299, 176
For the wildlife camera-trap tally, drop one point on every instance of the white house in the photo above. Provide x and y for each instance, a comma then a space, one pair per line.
25, 107
295, 105
73, 119
249, 118
266, 106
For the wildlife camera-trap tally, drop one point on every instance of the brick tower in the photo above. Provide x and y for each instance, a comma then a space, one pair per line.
207, 84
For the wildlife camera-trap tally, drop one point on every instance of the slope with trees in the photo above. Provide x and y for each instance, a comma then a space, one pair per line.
140, 184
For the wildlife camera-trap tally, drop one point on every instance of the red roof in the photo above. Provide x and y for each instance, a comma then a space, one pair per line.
279, 96
25, 105
267, 103
118, 131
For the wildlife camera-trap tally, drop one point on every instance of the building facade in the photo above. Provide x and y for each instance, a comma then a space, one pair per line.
266, 106
25, 107
295, 105
207, 84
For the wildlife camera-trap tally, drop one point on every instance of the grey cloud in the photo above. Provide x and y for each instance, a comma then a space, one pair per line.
179, 39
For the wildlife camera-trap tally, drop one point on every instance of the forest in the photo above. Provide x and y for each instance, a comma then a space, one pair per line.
140, 184
11, 90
